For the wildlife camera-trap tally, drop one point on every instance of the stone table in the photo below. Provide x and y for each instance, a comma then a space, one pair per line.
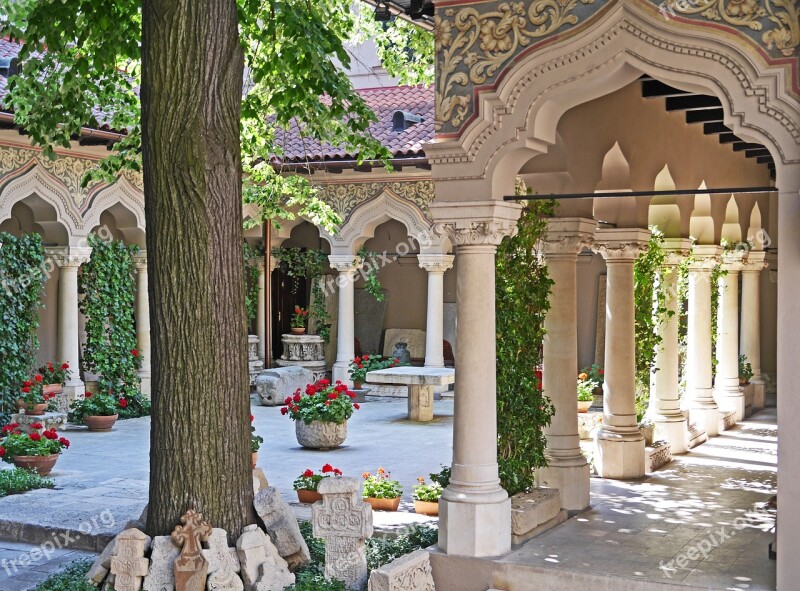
420, 382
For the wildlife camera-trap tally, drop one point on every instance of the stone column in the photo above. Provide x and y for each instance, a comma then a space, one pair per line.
567, 469
475, 511
68, 261
703, 409
750, 337
143, 323
347, 265
619, 445
435, 265
665, 403
261, 317
726, 382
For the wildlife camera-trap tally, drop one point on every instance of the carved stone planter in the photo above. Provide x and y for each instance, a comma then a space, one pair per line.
320, 435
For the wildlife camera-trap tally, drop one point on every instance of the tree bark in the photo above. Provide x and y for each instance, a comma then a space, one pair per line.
192, 68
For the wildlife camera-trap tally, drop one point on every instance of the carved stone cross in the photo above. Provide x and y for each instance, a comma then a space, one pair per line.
129, 565
191, 567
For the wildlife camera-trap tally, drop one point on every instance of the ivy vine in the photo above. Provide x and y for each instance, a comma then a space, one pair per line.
522, 301
650, 297
298, 263
252, 273
370, 273
21, 280
108, 287
683, 317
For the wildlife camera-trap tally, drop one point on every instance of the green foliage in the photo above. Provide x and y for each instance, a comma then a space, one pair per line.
252, 272
380, 486
371, 283
586, 389
21, 280
745, 369
39, 442
19, 480
382, 551
321, 402
683, 317
361, 366
716, 274
650, 300
107, 284
427, 492
95, 405
442, 477
522, 301
70, 578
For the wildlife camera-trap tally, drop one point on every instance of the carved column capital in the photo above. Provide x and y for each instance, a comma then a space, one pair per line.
436, 263
620, 244
755, 261
345, 263
568, 236
476, 233
705, 257
140, 261
731, 260
69, 256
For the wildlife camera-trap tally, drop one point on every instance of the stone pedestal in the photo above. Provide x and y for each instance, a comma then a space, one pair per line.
567, 469
703, 408
49, 420
304, 350
255, 365
619, 445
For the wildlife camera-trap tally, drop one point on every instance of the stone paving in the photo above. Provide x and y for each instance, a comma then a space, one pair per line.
634, 527
631, 527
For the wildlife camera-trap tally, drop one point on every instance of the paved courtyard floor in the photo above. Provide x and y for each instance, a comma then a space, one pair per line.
631, 527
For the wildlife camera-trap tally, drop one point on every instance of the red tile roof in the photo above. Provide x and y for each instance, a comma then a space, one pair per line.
416, 100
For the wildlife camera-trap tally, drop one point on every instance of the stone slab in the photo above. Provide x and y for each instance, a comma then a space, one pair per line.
418, 376
369, 316
413, 337
282, 527
49, 420
727, 420
660, 454
530, 510
411, 572
161, 574
387, 391
275, 384
697, 435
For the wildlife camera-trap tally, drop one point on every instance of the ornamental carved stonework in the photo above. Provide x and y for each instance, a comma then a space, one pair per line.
476, 233
344, 198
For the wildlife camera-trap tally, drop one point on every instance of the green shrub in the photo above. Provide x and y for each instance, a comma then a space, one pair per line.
382, 551
71, 578
19, 480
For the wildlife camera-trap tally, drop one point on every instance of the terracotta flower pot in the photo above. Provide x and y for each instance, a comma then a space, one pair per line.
298, 330
383, 504
583, 405
426, 507
320, 434
36, 410
100, 423
356, 385
308, 496
52, 388
253, 460
42, 464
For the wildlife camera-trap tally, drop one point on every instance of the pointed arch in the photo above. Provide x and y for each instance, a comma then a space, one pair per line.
121, 192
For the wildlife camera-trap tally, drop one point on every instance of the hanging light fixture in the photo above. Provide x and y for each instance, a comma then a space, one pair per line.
382, 12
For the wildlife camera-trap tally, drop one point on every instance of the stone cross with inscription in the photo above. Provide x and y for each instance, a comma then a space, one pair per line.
191, 567
129, 565
345, 521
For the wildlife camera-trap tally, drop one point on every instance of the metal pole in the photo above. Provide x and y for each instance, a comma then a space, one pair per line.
740, 190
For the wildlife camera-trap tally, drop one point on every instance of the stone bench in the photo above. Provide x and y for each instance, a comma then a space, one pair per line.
420, 382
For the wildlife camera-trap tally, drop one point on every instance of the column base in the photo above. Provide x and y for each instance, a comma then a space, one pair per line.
674, 430
476, 530
571, 480
619, 455
729, 399
341, 371
145, 385
759, 395
707, 418
420, 403
74, 391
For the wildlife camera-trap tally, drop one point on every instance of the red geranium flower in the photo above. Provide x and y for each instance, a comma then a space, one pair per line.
134, 352
351, 394
308, 473
64, 441
36, 426
287, 400
360, 366
337, 472
284, 410
356, 406
51, 434
27, 383
2, 451
87, 395
296, 397
366, 357
35, 436
65, 366
327, 468
38, 377
26, 389
123, 403
251, 418
327, 403
324, 382
357, 360
333, 396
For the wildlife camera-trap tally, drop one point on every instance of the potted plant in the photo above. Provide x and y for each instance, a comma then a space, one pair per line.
255, 442
32, 396
426, 497
586, 387
55, 375
380, 491
299, 319
99, 412
320, 413
307, 483
745, 370
360, 366
37, 450
596, 373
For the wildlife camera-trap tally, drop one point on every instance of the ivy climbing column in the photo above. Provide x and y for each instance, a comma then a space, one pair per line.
567, 468
750, 337
619, 443
703, 409
69, 260
665, 408
435, 265
726, 382
346, 265
261, 322
143, 322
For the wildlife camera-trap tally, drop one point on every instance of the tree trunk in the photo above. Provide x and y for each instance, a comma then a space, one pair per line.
192, 68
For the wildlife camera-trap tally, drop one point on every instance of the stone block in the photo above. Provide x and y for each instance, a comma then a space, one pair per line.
161, 575
535, 512
411, 572
658, 455
102, 564
368, 322
259, 480
274, 385
49, 420
727, 420
697, 435
588, 423
281, 525
473, 529
619, 456
262, 567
